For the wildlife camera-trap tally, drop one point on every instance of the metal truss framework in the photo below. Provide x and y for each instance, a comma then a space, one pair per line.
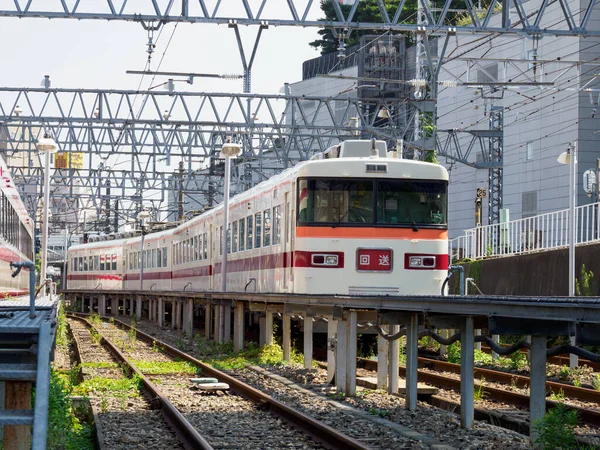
531, 15
131, 151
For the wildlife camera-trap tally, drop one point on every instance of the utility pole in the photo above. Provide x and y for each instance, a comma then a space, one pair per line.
107, 203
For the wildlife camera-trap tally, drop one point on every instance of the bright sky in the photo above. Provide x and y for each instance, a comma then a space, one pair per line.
96, 54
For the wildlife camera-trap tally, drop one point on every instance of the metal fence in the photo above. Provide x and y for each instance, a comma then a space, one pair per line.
532, 234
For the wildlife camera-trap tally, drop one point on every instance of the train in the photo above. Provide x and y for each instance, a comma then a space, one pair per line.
352, 220
16, 237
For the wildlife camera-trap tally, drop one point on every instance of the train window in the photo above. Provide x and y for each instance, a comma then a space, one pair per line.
411, 202
153, 259
75, 265
130, 260
200, 247
242, 234
204, 245
108, 261
85, 264
196, 249
250, 242
101, 262
335, 201
96, 262
148, 259
235, 237
228, 238
114, 262
258, 229
158, 257
276, 225
267, 228
164, 255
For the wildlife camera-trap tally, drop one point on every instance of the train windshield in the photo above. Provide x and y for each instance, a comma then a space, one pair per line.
373, 201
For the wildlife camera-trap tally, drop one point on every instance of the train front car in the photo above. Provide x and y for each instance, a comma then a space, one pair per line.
16, 237
96, 265
369, 224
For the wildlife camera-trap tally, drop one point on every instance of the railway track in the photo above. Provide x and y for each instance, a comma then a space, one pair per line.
227, 420
122, 422
560, 360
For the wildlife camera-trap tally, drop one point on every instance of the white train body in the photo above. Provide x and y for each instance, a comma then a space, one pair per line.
352, 221
16, 236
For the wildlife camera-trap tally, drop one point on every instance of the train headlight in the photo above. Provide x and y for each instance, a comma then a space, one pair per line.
331, 260
324, 259
425, 262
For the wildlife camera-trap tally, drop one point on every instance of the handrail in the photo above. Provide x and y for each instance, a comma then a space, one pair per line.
546, 231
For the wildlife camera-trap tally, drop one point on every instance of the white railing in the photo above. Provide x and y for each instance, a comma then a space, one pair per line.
543, 232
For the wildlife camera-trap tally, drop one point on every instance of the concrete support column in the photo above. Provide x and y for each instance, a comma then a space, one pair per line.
238, 327
227, 324
207, 320
341, 361
287, 336
138, 307
537, 391
467, 364
444, 348
331, 348
173, 314
496, 339
382, 360
189, 319
477, 345
412, 348
268, 336
393, 363
160, 312
351, 333
219, 332
17, 396
102, 305
308, 342
216, 333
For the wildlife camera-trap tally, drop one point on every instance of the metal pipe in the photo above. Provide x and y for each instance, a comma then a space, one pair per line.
31, 266
45, 217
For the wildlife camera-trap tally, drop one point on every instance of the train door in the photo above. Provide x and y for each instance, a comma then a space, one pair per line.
286, 241
211, 261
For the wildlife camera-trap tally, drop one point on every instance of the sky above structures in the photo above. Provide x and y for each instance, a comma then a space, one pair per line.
96, 54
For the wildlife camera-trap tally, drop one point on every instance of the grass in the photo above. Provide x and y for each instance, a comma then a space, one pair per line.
115, 387
268, 355
162, 368
65, 430
479, 392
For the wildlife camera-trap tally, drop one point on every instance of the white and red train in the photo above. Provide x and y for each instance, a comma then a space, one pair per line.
16, 237
352, 220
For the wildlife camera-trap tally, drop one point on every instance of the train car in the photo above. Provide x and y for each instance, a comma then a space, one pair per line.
96, 265
16, 236
352, 220
156, 259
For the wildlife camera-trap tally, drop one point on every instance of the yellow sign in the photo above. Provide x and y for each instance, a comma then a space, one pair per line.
65, 160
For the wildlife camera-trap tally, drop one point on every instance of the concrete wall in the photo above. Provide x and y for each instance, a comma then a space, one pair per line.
543, 274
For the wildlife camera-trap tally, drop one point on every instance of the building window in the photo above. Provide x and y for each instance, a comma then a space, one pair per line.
529, 151
529, 204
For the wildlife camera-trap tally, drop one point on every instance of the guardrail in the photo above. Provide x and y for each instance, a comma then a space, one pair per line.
532, 234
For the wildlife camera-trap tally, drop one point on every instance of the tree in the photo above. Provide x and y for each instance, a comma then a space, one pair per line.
367, 11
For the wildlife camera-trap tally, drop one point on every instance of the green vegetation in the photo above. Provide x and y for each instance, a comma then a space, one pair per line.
482, 357
454, 352
116, 387
586, 285
479, 392
556, 430
597, 382
95, 319
379, 412
268, 355
96, 337
65, 430
62, 335
557, 396
162, 368
518, 360
99, 365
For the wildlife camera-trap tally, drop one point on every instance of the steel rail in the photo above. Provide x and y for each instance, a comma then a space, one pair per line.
189, 436
319, 430
586, 416
558, 360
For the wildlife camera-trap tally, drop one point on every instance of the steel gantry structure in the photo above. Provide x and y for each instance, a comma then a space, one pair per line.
189, 127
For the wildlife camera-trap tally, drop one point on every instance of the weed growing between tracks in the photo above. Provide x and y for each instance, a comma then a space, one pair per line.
556, 430
165, 368
65, 430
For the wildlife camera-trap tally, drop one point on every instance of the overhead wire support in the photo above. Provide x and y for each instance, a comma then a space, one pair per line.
531, 22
